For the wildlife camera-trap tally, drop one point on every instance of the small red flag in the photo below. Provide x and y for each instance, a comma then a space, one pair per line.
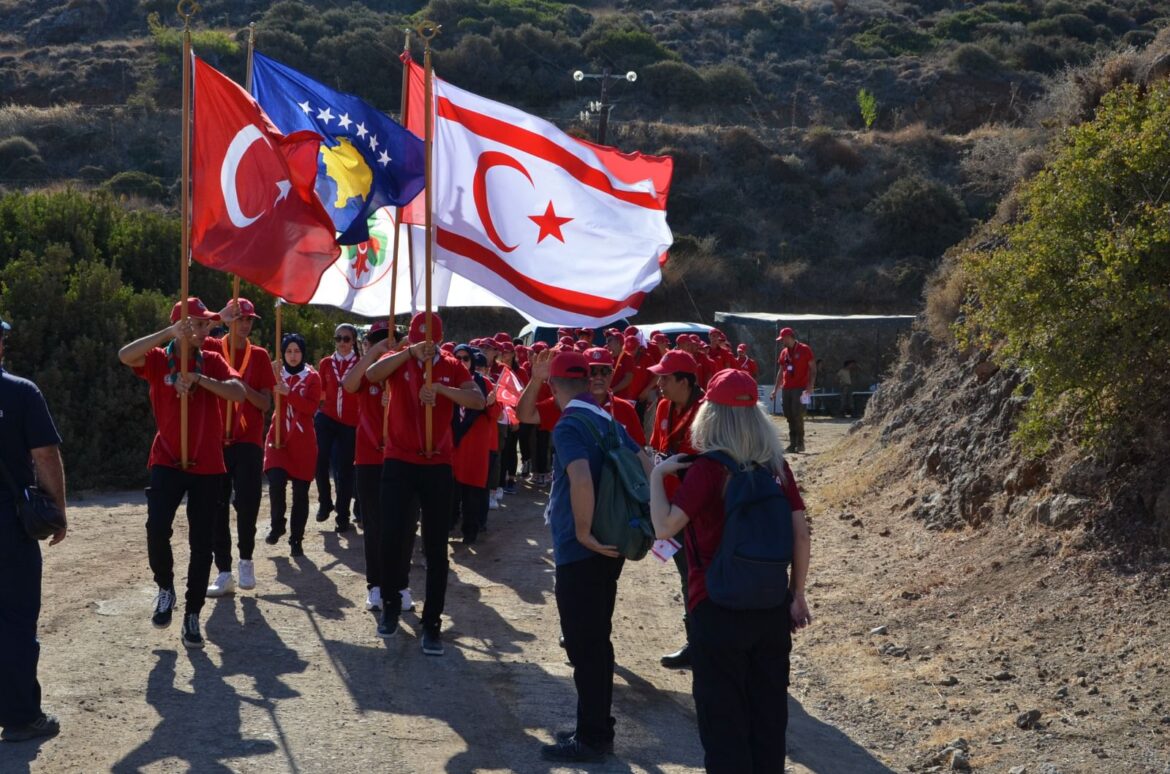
508, 388
254, 209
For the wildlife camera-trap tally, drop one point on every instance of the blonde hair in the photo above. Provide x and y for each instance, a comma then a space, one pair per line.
744, 433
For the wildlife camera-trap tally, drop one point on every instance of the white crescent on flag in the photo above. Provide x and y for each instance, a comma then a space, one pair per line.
540, 219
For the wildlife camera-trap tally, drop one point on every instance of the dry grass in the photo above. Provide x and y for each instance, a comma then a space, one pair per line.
19, 119
945, 294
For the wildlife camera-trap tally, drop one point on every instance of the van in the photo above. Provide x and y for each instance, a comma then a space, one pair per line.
532, 333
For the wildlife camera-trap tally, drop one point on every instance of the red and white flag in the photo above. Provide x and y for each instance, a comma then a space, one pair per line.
508, 388
567, 232
255, 212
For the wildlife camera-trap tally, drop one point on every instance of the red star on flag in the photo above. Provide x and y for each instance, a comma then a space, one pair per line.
550, 224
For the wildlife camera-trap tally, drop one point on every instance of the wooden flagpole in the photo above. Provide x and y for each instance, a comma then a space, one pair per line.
276, 417
227, 420
187, 9
428, 30
397, 233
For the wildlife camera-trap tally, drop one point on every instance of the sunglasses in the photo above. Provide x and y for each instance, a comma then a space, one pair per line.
464, 358
600, 370
343, 338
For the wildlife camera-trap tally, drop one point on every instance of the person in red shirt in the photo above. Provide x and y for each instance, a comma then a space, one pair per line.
295, 459
475, 435
369, 451
721, 355
243, 450
796, 373
746, 363
336, 426
681, 398
415, 466
533, 408
209, 379
623, 366
740, 658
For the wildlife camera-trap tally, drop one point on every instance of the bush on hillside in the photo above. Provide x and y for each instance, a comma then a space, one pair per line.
1076, 296
137, 184
972, 59
623, 43
915, 216
729, 83
20, 160
830, 151
674, 83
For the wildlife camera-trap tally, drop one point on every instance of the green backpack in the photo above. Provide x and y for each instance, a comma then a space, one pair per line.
621, 511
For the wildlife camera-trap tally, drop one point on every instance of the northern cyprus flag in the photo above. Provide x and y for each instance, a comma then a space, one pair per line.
566, 232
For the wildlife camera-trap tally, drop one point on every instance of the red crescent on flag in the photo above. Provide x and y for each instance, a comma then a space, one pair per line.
487, 160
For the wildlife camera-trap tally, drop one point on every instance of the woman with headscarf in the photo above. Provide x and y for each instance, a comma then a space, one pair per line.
336, 426
299, 388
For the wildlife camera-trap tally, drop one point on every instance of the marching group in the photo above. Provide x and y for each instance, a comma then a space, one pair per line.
402, 428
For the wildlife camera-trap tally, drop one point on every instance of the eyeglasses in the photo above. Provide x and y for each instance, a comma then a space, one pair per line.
345, 339
600, 370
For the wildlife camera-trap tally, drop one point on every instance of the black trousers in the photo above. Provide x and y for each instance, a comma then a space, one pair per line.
245, 476
335, 443
586, 591
431, 486
794, 413
163, 496
369, 495
740, 662
527, 439
509, 460
470, 504
20, 606
277, 499
543, 454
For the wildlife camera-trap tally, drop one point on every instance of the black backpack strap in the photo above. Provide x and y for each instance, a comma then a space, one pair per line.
581, 421
724, 459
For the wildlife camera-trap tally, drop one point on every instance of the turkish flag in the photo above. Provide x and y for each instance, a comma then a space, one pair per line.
254, 209
508, 388
567, 232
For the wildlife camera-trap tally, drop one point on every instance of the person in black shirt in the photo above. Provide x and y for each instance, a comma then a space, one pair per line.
29, 451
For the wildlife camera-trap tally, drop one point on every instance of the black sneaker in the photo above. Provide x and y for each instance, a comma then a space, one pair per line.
164, 606
191, 636
323, 514
800, 448
432, 641
44, 726
274, 535
680, 659
790, 448
564, 736
571, 750
388, 626
294, 549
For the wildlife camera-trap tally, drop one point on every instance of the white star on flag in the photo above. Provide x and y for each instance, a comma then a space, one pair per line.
305, 106
384, 158
344, 121
373, 142
325, 115
361, 130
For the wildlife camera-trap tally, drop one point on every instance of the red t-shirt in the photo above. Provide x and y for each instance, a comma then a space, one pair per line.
406, 441
204, 420
672, 428
621, 410
255, 370
336, 403
748, 364
722, 358
642, 377
368, 448
700, 496
470, 462
297, 454
794, 362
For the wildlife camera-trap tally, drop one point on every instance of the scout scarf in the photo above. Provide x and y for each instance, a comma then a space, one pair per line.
341, 366
172, 362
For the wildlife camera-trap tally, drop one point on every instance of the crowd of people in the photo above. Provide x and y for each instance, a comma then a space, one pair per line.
401, 429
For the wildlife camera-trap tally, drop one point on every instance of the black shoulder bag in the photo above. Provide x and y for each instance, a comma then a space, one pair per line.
39, 514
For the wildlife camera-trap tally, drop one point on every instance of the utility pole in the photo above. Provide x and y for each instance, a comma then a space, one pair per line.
603, 107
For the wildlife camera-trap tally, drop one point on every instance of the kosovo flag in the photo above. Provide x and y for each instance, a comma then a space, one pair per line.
367, 160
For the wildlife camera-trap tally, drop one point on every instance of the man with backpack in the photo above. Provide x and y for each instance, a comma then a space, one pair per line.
587, 571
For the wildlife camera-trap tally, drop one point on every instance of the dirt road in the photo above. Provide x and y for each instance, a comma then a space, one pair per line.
294, 677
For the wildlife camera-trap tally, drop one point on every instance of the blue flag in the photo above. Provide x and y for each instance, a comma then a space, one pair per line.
367, 160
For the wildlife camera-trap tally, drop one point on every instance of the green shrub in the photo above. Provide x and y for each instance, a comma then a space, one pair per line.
961, 26
1076, 296
972, 59
621, 41
729, 83
917, 217
892, 40
134, 183
867, 104
674, 83
20, 160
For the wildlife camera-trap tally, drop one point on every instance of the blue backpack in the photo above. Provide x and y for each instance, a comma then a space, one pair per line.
750, 568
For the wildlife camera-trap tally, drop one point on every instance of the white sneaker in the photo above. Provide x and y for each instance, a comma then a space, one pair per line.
499, 493
247, 574
407, 601
224, 584
493, 503
374, 599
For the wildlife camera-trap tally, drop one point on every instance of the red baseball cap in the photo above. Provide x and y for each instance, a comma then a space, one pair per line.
580, 346
566, 341
418, 328
630, 331
599, 356
715, 332
613, 333
502, 337
585, 332
448, 347
375, 327
489, 344
564, 332
539, 346
195, 308
675, 362
786, 332
247, 308
505, 346
742, 348
569, 365
732, 387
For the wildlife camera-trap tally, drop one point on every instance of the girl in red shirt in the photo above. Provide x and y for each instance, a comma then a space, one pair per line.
740, 658
295, 459
336, 427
